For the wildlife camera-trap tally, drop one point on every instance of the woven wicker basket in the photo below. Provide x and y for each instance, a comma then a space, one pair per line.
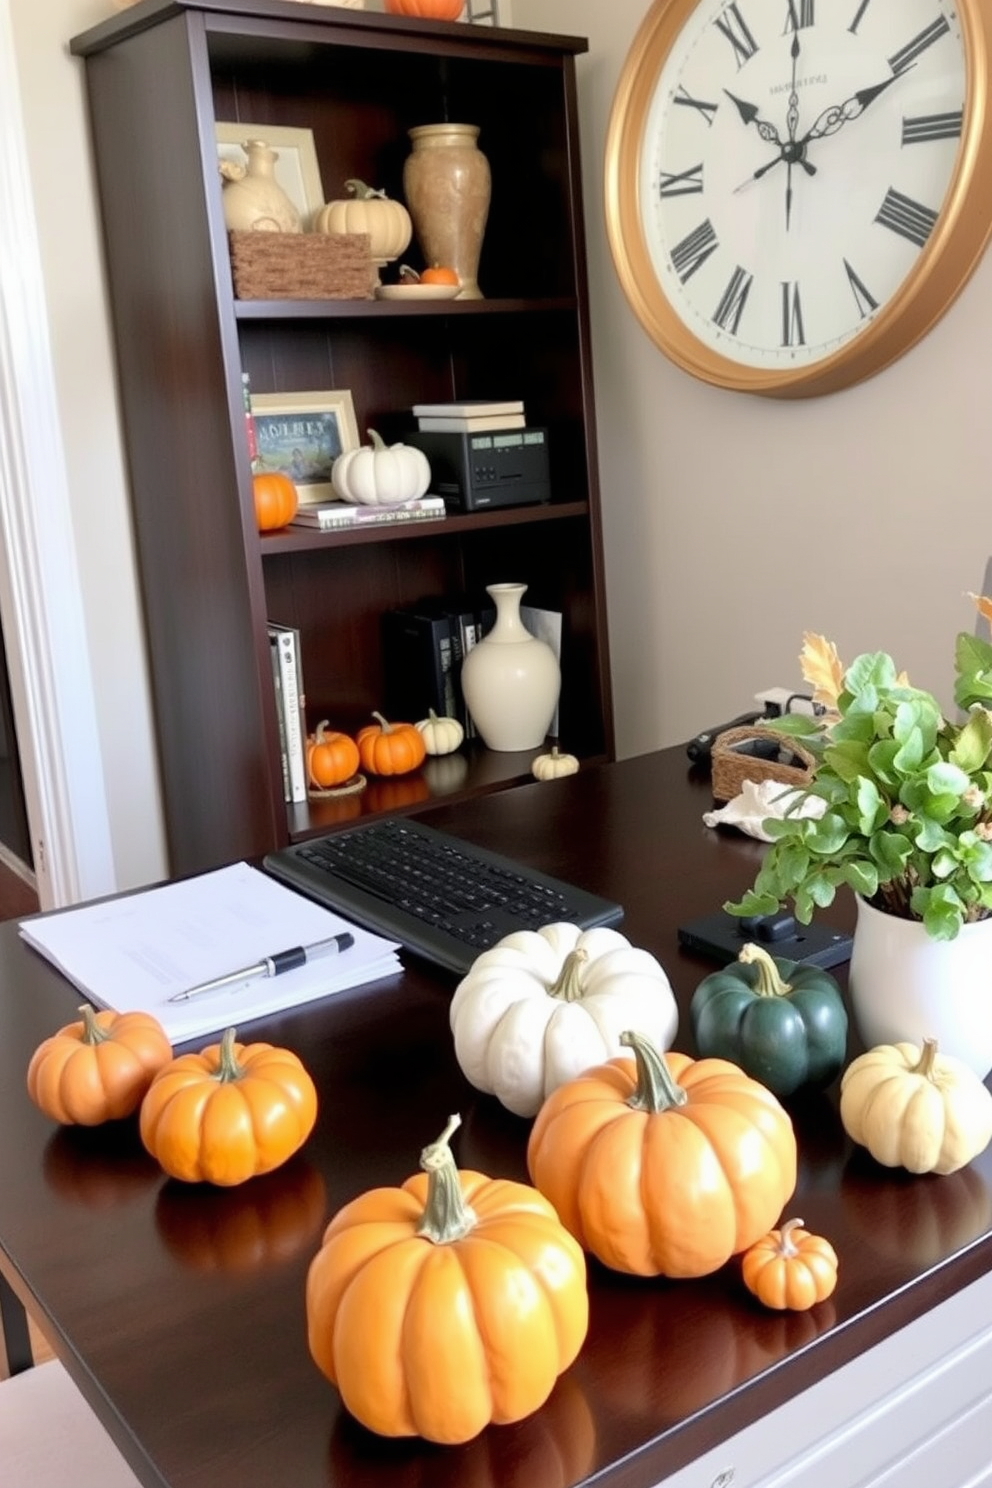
301, 266
756, 754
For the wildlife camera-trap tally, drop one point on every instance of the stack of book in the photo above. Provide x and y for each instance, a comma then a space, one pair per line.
423, 647
287, 680
473, 416
339, 516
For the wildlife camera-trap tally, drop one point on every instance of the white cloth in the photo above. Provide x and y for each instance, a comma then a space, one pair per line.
756, 803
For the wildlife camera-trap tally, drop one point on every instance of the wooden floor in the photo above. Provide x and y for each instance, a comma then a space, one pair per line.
16, 899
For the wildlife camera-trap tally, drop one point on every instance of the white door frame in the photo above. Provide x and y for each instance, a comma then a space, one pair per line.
41, 607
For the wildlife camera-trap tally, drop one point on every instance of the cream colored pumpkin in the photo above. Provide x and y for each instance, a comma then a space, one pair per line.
381, 475
553, 765
387, 222
542, 1006
915, 1108
440, 735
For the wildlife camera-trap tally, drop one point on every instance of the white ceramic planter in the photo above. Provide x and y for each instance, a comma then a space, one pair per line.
511, 679
904, 985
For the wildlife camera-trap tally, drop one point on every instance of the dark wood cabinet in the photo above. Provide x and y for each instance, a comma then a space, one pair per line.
158, 77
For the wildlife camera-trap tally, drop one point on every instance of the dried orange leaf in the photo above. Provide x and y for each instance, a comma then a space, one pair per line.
983, 605
822, 668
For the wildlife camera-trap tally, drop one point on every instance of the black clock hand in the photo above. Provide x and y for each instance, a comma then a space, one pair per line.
749, 114
836, 117
792, 120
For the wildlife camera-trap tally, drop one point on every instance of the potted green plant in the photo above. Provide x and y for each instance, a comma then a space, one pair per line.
906, 824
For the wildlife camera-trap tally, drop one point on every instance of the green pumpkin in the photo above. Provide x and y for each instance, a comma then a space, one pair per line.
783, 1022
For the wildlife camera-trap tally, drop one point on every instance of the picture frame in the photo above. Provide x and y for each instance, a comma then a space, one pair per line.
296, 169
301, 435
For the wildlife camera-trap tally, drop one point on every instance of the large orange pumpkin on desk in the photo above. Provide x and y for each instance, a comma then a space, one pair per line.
446, 1304
664, 1165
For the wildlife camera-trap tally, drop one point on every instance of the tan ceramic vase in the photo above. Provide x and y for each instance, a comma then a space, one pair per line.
447, 186
253, 199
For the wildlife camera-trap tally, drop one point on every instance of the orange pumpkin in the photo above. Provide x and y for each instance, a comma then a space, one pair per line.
228, 1113
446, 1304
390, 748
664, 1165
98, 1069
275, 499
332, 758
439, 274
428, 10
790, 1268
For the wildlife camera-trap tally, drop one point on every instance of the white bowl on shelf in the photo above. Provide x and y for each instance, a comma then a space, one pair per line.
417, 291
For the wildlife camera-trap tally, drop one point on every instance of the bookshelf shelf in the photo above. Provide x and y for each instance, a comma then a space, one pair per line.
359, 81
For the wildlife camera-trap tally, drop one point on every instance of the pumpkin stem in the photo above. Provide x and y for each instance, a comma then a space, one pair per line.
378, 443
568, 988
228, 1068
92, 1032
770, 983
656, 1090
928, 1055
446, 1215
387, 728
785, 1246
358, 189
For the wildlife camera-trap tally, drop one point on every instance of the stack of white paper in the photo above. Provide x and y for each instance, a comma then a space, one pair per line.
134, 953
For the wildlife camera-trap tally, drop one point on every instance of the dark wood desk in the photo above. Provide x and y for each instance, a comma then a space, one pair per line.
180, 1313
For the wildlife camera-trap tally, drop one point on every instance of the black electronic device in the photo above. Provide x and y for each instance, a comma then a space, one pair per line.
477, 471
721, 936
700, 748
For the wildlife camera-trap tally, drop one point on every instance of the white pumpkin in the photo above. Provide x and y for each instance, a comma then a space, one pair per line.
541, 1006
387, 222
379, 475
440, 735
554, 765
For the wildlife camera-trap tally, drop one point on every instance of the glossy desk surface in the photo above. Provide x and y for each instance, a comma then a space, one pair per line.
180, 1313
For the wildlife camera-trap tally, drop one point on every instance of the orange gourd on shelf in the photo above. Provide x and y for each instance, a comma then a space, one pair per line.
98, 1069
663, 1165
439, 274
446, 1304
276, 499
386, 748
790, 1268
428, 10
332, 757
229, 1113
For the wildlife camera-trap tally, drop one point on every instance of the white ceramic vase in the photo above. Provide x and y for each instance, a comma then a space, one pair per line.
510, 679
253, 199
904, 985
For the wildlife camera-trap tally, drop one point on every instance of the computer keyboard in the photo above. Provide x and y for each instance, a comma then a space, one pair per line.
444, 898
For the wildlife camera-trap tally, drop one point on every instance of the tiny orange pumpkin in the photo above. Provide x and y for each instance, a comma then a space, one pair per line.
790, 1268
275, 499
332, 757
98, 1069
386, 748
428, 10
228, 1113
439, 274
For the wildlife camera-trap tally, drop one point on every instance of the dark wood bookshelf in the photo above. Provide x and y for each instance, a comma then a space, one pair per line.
158, 77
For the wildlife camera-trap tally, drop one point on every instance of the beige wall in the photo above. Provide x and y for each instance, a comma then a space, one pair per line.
732, 523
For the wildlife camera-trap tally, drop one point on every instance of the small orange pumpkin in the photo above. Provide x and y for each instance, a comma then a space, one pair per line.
439, 274
332, 757
428, 10
790, 1268
386, 748
276, 500
454, 1301
228, 1113
99, 1069
663, 1165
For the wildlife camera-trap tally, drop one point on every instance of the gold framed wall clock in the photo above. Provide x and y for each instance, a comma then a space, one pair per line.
796, 190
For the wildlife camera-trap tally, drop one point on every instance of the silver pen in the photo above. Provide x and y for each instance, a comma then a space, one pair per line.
271, 966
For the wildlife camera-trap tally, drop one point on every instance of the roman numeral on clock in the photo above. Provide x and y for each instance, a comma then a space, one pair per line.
734, 27
685, 183
793, 333
731, 307
694, 250
800, 15
932, 127
906, 217
859, 17
686, 100
908, 54
863, 298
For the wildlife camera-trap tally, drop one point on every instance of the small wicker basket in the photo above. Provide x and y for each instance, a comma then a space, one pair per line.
302, 266
756, 754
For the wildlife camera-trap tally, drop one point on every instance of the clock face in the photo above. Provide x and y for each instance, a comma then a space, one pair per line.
793, 189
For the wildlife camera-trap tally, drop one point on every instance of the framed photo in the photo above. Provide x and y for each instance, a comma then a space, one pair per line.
301, 435
296, 171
